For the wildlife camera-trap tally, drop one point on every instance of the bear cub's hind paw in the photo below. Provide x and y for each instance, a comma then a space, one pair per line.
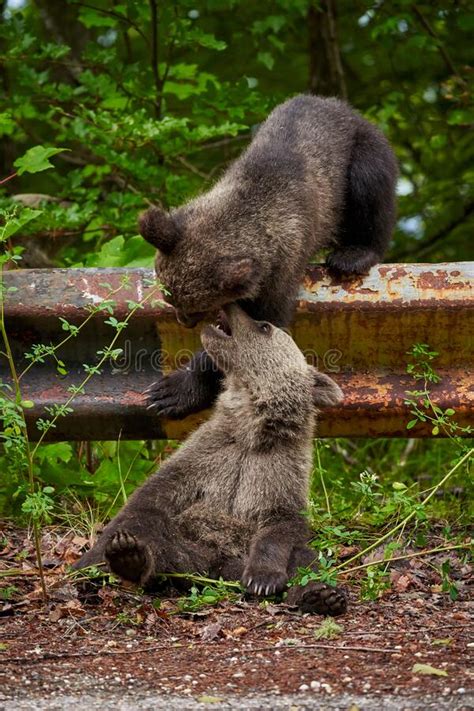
127, 556
318, 598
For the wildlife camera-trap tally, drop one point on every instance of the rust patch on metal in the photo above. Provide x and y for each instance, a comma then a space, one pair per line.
439, 279
393, 271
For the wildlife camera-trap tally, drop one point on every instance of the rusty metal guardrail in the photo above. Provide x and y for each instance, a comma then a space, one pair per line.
359, 330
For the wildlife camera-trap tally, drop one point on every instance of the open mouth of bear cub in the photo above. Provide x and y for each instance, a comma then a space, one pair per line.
221, 328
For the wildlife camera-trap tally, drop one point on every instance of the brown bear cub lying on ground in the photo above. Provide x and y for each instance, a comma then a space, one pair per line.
229, 502
316, 175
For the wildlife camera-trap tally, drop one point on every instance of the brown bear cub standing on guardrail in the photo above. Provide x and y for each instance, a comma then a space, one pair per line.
316, 175
229, 502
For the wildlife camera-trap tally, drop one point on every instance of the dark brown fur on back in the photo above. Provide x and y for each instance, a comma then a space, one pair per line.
316, 175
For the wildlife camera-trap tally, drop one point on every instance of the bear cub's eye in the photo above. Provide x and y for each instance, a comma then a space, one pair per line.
264, 327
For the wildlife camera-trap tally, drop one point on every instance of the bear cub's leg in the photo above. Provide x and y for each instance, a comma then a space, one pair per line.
369, 210
266, 569
315, 597
144, 558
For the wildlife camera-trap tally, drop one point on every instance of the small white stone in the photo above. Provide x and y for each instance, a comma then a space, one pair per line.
315, 685
304, 687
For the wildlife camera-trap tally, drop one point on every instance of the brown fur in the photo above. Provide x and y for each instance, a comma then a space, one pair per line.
316, 175
230, 500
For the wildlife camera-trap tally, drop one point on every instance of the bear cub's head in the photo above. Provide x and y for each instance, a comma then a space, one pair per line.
266, 361
198, 278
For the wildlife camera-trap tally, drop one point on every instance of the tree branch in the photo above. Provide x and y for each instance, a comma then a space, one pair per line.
154, 55
116, 16
335, 51
447, 59
326, 72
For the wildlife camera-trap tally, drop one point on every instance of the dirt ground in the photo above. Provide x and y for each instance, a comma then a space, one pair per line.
114, 647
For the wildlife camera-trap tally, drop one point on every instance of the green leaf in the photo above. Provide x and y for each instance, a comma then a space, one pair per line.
93, 18
205, 39
266, 59
461, 117
59, 451
427, 669
14, 224
27, 404
411, 424
7, 125
36, 159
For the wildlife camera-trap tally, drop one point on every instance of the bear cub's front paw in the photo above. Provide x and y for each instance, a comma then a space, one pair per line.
259, 580
127, 556
179, 394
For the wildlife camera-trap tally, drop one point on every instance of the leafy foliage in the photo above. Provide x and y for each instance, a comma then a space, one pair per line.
151, 100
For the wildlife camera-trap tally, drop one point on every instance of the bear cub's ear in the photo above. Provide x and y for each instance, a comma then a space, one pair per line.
158, 228
237, 275
326, 393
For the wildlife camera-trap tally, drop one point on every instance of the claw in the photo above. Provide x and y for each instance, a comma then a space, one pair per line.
153, 405
150, 388
267, 589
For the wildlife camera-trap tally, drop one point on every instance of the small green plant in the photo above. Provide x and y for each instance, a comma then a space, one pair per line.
211, 594
38, 505
422, 407
448, 585
325, 572
127, 618
328, 629
95, 574
374, 584
8, 592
